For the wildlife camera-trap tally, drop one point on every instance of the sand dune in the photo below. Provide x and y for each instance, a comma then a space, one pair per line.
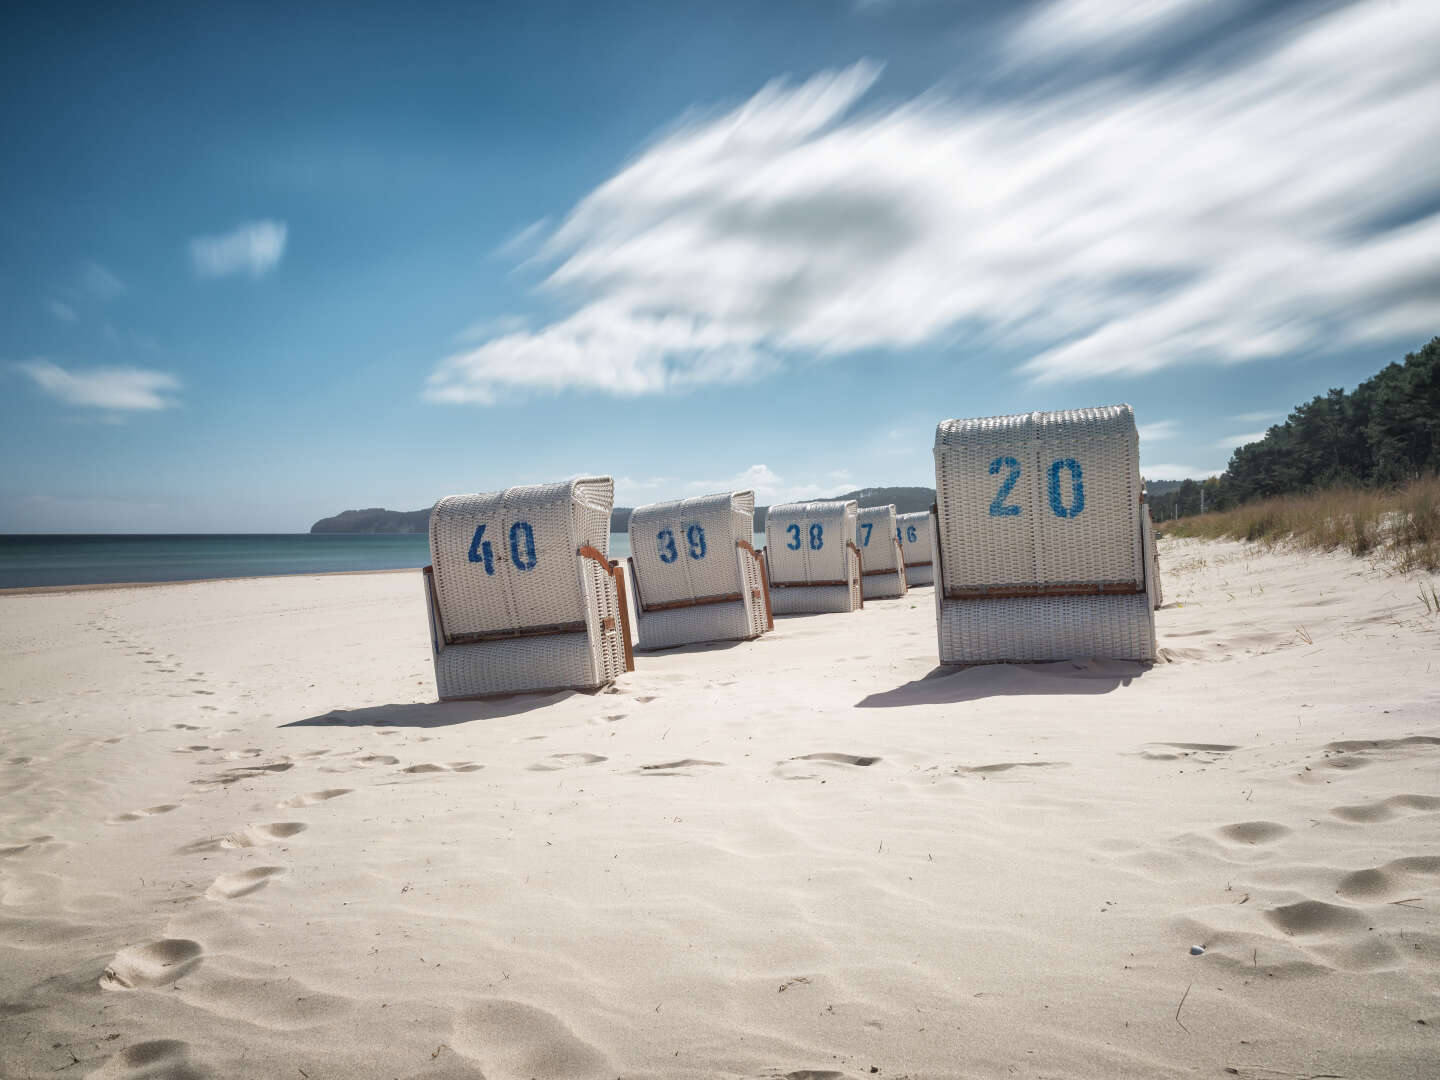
238, 838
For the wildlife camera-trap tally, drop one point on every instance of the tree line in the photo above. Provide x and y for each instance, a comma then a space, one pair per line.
1383, 433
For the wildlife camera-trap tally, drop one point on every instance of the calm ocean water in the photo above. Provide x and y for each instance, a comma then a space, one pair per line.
90, 560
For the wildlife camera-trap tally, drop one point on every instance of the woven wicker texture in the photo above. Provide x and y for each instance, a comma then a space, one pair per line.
1039, 499
506, 567
880, 549
1037, 629
1152, 559
809, 542
686, 551
916, 547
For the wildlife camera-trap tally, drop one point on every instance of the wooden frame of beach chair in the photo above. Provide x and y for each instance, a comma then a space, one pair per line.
694, 573
521, 594
917, 547
1041, 539
814, 563
884, 576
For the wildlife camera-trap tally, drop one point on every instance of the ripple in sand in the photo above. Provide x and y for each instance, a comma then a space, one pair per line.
242, 882
310, 798
1385, 809
513, 1041
156, 964
1315, 917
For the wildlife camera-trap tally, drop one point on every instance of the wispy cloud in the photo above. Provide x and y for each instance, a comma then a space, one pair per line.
254, 248
1230, 442
1067, 27
1177, 472
63, 312
1257, 417
100, 282
1116, 227
1159, 430
120, 388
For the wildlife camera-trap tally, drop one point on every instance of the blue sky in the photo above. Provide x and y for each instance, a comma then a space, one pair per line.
262, 263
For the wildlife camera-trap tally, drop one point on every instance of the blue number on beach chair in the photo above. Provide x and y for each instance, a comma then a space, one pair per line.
910, 534
817, 536
481, 551
527, 560
867, 526
696, 536
998, 506
1077, 488
794, 531
665, 541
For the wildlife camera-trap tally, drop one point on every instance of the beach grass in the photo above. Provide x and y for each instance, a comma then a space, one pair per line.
1399, 528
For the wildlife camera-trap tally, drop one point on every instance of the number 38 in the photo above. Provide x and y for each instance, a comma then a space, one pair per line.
817, 536
1008, 465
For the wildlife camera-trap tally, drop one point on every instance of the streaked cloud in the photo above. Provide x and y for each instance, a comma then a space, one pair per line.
254, 248
1257, 417
1230, 442
1159, 430
63, 312
122, 388
1218, 214
100, 282
1177, 472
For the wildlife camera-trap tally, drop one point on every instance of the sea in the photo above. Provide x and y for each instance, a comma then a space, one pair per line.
49, 561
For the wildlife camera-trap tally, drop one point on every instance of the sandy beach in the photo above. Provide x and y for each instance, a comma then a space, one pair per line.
239, 838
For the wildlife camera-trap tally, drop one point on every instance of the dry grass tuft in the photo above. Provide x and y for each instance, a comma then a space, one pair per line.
1399, 528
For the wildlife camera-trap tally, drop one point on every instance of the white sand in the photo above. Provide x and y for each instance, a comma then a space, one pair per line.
235, 841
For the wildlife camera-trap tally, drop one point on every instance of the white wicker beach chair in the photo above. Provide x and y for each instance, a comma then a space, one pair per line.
695, 573
916, 547
521, 593
884, 575
1041, 539
814, 563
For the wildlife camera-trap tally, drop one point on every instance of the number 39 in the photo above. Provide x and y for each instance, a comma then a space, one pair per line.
1000, 508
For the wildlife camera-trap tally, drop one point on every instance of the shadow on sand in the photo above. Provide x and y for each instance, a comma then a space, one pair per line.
432, 714
948, 685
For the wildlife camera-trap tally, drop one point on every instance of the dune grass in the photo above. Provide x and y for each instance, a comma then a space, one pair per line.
1397, 528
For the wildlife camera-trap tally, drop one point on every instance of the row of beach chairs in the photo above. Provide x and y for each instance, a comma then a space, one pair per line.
1039, 545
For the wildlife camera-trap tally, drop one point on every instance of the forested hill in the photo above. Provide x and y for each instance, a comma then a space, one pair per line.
375, 520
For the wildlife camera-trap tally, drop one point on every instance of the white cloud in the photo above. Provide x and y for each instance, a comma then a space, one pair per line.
1176, 472
101, 282
1066, 27
1257, 417
1159, 430
104, 388
1230, 442
1217, 215
254, 248
63, 312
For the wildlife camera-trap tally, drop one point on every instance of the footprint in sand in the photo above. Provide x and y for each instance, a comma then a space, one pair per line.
137, 815
1006, 766
246, 772
1385, 883
147, 966
242, 882
566, 761
378, 759
1310, 917
676, 768
452, 766
1385, 809
1253, 832
248, 837
184, 727
1350, 746
312, 797
1174, 751
168, 1058
512, 1041
838, 759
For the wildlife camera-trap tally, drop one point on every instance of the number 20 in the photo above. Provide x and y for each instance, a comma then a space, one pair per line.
1000, 508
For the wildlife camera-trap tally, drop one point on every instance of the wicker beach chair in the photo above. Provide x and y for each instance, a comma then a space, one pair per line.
917, 548
884, 575
695, 573
521, 593
813, 559
1041, 539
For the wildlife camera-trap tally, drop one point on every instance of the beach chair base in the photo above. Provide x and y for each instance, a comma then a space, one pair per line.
1046, 628
920, 575
883, 586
